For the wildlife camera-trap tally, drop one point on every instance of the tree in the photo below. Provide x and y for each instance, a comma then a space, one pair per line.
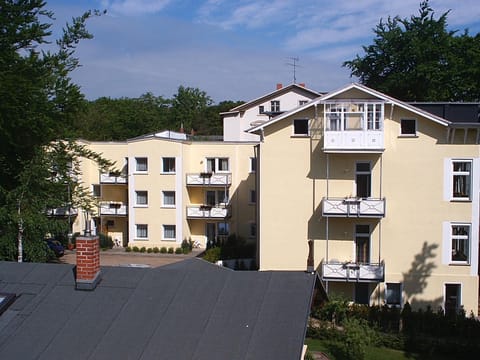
39, 103
189, 105
418, 59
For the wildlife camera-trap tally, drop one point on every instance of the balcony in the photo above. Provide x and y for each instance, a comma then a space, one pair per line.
110, 179
207, 212
63, 211
209, 179
353, 207
113, 208
348, 271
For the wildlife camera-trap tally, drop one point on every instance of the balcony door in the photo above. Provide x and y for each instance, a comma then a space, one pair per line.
363, 179
362, 244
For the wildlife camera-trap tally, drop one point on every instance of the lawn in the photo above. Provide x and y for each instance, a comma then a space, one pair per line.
373, 353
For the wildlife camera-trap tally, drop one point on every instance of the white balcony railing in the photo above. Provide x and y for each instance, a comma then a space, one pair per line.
353, 207
63, 211
113, 209
209, 179
354, 140
348, 271
109, 179
207, 212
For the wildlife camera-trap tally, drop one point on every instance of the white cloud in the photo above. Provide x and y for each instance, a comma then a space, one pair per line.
135, 7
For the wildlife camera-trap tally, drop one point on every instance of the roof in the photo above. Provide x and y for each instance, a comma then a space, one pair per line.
331, 95
263, 98
188, 310
456, 112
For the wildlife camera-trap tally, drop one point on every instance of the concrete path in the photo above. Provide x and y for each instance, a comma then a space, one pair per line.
118, 257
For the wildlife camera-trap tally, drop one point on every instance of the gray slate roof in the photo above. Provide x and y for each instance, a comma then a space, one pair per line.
187, 310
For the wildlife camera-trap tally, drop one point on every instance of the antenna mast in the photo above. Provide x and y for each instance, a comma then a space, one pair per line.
294, 65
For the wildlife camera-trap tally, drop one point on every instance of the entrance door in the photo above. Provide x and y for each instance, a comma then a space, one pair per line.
363, 179
452, 298
362, 293
210, 234
362, 244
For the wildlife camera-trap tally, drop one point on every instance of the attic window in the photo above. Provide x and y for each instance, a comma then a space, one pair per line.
408, 127
300, 127
6, 299
261, 109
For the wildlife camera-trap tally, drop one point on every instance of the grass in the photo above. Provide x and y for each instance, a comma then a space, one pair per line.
373, 353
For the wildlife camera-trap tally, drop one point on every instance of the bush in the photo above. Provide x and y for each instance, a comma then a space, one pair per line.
135, 249
212, 255
187, 246
170, 250
143, 249
358, 335
149, 250
128, 249
163, 250
156, 250
178, 250
106, 242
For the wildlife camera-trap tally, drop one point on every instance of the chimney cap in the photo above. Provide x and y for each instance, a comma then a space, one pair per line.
279, 86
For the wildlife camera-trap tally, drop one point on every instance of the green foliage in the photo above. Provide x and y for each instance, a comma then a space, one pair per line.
186, 246
171, 250
128, 249
143, 249
156, 250
106, 241
178, 250
149, 250
418, 59
136, 249
357, 337
163, 250
212, 255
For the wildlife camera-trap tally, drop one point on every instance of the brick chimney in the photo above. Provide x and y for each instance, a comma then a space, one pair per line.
302, 84
88, 272
279, 86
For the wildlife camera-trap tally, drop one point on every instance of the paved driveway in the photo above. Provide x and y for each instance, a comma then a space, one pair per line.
118, 257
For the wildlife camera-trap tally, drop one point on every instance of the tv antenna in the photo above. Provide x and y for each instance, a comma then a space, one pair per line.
294, 64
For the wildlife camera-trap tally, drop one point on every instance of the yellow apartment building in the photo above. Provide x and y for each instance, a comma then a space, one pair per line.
170, 189
378, 196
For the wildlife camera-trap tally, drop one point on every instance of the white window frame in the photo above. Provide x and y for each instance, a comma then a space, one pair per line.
138, 195
165, 229
457, 239
261, 110
294, 127
215, 163
402, 134
399, 304
139, 162
167, 169
168, 194
302, 102
467, 173
275, 106
140, 228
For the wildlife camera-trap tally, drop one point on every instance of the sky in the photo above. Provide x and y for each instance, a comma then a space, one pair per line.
232, 50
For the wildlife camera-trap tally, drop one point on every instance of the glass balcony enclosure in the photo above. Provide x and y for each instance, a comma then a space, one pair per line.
353, 125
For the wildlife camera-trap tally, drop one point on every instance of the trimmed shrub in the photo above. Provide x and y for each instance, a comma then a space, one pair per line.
149, 250
156, 250
128, 249
106, 242
178, 250
163, 250
171, 250
135, 249
212, 254
143, 249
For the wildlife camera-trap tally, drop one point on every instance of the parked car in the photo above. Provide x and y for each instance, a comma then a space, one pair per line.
56, 246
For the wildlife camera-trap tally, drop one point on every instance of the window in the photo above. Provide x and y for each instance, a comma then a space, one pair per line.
362, 244
261, 109
217, 165
142, 231
253, 196
96, 190
216, 197
408, 127
169, 232
363, 179
453, 299
223, 229
253, 164
462, 173
253, 230
393, 294
460, 241
300, 127
374, 116
141, 198
275, 106
168, 165
169, 198
141, 164
6, 299
302, 102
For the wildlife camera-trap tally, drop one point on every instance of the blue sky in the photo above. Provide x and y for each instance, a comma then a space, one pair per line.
232, 50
